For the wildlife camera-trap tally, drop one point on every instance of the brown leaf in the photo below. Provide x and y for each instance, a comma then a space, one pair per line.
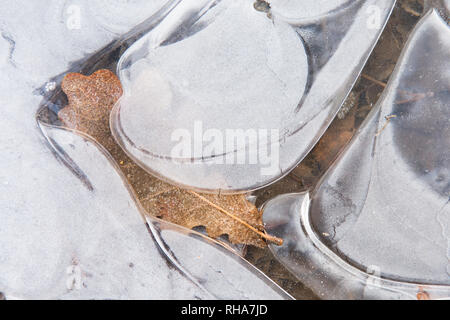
91, 99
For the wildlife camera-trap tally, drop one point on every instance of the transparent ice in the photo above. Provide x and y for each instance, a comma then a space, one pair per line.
301, 11
227, 65
82, 235
378, 223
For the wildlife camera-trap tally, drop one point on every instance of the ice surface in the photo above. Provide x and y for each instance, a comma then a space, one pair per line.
294, 10
406, 194
209, 263
52, 226
62, 237
240, 67
383, 208
78, 24
228, 66
442, 6
79, 236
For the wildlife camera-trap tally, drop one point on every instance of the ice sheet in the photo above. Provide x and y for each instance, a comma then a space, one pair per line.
66, 235
201, 85
378, 223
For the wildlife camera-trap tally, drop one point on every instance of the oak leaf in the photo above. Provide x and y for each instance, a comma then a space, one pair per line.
91, 99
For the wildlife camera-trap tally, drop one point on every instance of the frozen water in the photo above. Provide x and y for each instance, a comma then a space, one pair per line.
53, 228
442, 6
383, 208
82, 235
62, 238
406, 190
78, 24
294, 10
210, 264
207, 69
210, 77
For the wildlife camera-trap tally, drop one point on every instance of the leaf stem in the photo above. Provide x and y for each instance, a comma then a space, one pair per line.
265, 236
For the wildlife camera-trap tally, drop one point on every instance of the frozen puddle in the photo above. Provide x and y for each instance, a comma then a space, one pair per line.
377, 225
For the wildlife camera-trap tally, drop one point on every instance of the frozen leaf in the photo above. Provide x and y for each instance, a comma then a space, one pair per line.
91, 99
